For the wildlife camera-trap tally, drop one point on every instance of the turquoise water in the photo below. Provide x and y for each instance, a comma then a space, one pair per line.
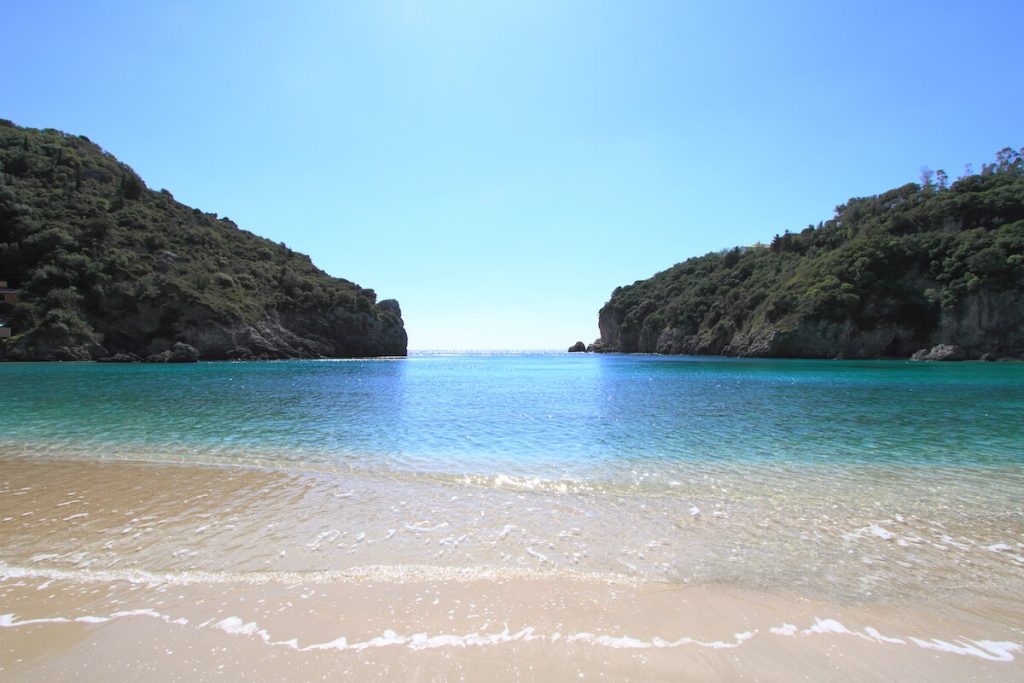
542, 415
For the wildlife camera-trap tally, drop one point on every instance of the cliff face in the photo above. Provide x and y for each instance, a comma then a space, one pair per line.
106, 266
913, 268
984, 322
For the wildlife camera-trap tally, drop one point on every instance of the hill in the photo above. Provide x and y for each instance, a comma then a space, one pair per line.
106, 266
920, 265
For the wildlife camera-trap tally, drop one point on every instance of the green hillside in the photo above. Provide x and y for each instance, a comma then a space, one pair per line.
933, 263
105, 265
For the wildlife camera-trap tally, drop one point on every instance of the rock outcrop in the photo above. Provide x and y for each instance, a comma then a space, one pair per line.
981, 323
119, 358
578, 347
178, 353
942, 352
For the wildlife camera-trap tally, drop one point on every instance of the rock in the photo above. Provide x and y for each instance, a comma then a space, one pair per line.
183, 353
988, 357
156, 346
941, 352
332, 333
391, 306
946, 352
180, 352
119, 358
578, 347
47, 345
979, 322
596, 347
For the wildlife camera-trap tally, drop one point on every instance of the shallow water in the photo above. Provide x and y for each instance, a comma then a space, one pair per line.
855, 485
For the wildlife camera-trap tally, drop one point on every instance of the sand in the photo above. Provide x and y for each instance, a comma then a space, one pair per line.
128, 571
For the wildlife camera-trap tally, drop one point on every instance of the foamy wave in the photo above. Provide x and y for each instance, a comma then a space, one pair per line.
994, 651
364, 574
991, 650
514, 483
629, 643
11, 621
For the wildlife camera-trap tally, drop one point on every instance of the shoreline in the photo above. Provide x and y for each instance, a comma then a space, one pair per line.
535, 628
474, 353
248, 458
108, 566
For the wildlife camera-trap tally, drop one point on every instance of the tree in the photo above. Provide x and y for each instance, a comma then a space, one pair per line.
926, 178
1008, 160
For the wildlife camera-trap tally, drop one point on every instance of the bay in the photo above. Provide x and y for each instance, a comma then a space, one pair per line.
833, 499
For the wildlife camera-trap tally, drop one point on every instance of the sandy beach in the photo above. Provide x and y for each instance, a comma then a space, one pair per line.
525, 629
161, 572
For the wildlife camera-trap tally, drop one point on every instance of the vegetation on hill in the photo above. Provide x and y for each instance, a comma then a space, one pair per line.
932, 263
107, 266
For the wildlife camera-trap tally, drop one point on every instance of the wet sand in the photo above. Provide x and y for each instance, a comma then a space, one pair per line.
164, 572
528, 629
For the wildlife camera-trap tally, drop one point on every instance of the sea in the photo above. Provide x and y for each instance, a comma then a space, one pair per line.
891, 492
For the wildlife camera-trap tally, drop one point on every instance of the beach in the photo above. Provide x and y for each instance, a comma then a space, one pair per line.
135, 570
524, 517
427, 341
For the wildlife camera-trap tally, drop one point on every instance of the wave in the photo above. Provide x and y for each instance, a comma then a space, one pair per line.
989, 650
354, 575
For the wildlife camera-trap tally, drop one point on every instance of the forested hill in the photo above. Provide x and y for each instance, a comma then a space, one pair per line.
920, 265
106, 266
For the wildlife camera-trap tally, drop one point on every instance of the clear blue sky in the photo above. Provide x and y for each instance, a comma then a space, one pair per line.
499, 168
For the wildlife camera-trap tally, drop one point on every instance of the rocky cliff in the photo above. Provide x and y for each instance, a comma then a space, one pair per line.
916, 267
106, 267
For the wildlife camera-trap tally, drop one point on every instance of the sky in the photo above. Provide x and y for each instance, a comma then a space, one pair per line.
500, 167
